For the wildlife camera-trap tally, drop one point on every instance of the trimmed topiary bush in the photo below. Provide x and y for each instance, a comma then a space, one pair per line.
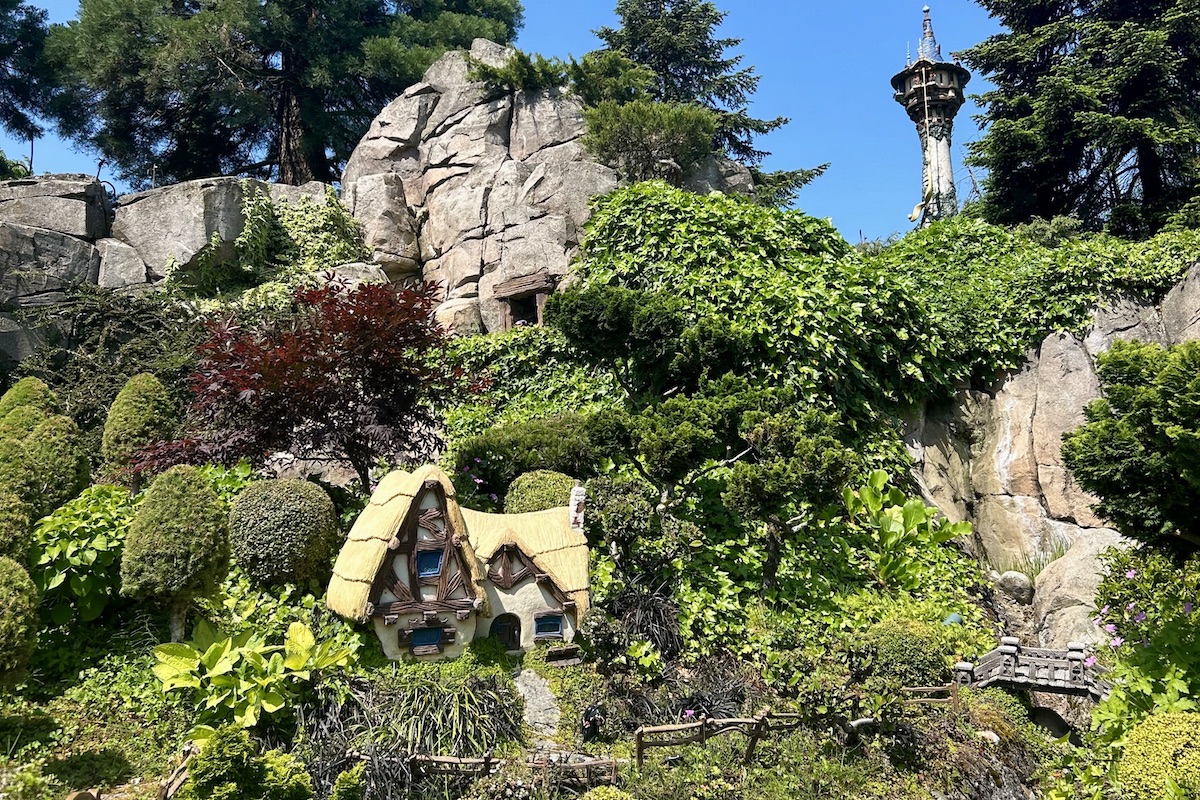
538, 490
229, 768
1161, 747
907, 652
142, 414
21, 421
178, 545
15, 526
29, 392
18, 620
56, 465
284, 531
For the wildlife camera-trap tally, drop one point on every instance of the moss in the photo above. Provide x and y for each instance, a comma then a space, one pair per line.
1161, 747
142, 414
178, 544
18, 620
538, 490
15, 526
29, 392
284, 531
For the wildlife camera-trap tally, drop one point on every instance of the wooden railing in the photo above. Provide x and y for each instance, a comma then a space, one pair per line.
587, 771
700, 731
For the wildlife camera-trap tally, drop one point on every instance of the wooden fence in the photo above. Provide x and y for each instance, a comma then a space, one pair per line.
587, 771
926, 696
699, 732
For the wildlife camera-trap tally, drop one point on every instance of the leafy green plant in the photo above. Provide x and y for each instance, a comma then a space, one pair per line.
142, 413
1162, 758
644, 140
284, 531
76, 554
242, 678
229, 767
350, 784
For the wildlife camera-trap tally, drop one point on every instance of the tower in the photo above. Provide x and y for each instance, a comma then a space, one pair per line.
931, 91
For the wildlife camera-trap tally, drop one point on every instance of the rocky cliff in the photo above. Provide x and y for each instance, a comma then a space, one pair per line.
993, 457
480, 188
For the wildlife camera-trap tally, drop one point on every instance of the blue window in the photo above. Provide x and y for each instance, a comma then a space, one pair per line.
429, 563
550, 626
426, 637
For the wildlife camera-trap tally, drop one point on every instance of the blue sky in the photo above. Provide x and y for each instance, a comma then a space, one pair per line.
826, 65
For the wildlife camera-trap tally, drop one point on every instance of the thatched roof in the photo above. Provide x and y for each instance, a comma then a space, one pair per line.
545, 537
366, 548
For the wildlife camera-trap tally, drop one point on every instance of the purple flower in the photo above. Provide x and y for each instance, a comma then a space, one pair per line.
1116, 642
1110, 628
689, 713
479, 461
1131, 574
1187, 607
1096, 621
1090, 661
1139, 617
1131, 606
493, 497
478, 481
1103, 611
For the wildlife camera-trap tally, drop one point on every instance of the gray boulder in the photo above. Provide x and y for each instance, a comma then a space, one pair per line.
120, 265
1016, 585
75, 205
37, 264
1065, 591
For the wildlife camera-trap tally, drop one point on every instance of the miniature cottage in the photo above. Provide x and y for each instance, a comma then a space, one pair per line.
431, 576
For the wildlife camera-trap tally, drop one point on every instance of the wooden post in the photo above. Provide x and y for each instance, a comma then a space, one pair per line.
954, 700
638, 751
759, 729
703, 728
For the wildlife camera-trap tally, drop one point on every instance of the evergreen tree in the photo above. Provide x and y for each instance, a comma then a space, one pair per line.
22, 35
1095, 114
279, 88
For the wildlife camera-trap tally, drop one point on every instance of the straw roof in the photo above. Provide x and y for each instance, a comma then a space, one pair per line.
366, 548
545, 537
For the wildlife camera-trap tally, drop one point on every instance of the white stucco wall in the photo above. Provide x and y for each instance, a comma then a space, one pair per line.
525, 600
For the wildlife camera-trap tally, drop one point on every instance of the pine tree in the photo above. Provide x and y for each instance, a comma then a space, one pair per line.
278, 88
22, 88
1095, 114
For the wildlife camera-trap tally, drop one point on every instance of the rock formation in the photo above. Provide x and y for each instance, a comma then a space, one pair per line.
993, 457
483, 190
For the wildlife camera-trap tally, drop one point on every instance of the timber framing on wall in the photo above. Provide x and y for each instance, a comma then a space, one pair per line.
407, 589
509, 566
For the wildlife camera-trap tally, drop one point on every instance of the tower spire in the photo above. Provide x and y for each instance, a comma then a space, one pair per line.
929, 49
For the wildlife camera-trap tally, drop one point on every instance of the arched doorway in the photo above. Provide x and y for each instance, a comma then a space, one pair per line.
507, 628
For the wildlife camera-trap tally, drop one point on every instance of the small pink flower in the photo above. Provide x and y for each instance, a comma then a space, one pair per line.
1104, 611
1131, 606
478, 481
1131, 574
1116, 642
1096, 621
1110, 628
1090, 661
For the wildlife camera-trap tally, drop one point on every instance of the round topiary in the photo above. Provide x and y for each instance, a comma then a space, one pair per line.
28, 392
178, 545
538, 490
18, 620
284, 531
21, 421
142, 414
1159, 747
15, 526
56, 465
908, 652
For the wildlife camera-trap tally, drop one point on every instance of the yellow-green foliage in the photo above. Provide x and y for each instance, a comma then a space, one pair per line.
284, 531
15, 526
1163, 748
908, 652
141, 414
607, 793
178, 544
56, 465
18, 620
538, 490
21, 421
229, 768
28, 392
350, 784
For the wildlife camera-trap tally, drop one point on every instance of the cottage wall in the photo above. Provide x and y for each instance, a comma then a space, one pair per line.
524, 600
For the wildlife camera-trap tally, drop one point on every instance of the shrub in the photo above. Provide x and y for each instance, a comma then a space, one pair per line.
28, 392
1162, 749
56, 465
644, 140
488, 463
538, 490
283, 531
178, 544
142, 414
15, 523
350, 784
907, 652
21, 421
229, 768
607, 793
18, 620
76, 554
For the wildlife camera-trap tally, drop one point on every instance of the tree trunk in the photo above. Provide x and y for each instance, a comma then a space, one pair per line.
293, 161
177, 616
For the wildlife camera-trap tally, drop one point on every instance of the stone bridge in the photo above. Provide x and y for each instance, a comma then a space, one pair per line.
1012, 666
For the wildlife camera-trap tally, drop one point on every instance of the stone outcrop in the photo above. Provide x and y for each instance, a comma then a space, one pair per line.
475, 187
994, 457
